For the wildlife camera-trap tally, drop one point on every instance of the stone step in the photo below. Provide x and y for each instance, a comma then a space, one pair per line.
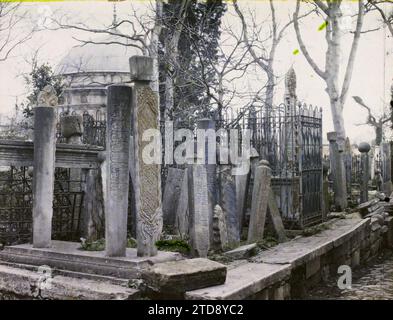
243, 282
72, 274
67, 256
27, 283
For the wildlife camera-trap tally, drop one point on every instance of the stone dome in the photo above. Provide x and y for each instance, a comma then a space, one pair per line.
98, 57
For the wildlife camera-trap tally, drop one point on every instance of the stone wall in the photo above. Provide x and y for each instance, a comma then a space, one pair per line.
358, 247
290, 269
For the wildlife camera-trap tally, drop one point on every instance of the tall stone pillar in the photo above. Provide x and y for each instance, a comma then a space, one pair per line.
208, 157
117, 144
145, 115
364, 148
44, 167
338, 172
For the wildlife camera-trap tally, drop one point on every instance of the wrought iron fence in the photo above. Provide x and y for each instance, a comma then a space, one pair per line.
290, 138
16, 205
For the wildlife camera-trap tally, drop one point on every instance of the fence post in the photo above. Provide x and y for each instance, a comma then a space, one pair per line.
364, 148
44, 167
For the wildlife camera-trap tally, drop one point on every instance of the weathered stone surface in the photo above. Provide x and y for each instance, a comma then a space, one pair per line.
338, 171
67, 255
173, 279
276, 217
304, 249
364, 148
171, 196
260, 196
141, 68
312, 267
200, 227
242, 183
31, 284
182, 213
145, 113
229, 204
389, 223
220, 235
118, 146
71, 127
207, 157
21, 154
242, 252
44, 170
243, 281
93, 217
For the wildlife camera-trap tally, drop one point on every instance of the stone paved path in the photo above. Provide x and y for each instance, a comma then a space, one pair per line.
372, 282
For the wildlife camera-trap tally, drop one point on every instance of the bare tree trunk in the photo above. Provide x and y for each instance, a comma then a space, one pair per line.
172, 55
153, 46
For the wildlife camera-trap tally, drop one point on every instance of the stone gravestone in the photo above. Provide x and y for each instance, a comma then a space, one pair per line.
275, 216
117, 144
145, 115
364, 148
198, 200
260, 197
209, 160
338, 171
387, 187
347, 156
220, 235
182, 213
171, 197
242, 185
44, 167
229, 204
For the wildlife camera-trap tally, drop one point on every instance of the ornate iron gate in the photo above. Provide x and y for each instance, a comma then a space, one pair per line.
290, 138
16, 205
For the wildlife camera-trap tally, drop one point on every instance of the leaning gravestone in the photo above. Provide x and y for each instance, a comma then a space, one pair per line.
171, 197
145, 115
229, 204
260, 197
198, 210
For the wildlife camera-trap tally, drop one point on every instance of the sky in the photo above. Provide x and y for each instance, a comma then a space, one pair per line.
372, 77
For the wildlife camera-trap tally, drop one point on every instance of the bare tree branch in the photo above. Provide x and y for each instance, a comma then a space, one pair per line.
303, 48
352, 54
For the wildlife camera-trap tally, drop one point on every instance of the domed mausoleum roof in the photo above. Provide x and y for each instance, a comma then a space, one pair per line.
98, 57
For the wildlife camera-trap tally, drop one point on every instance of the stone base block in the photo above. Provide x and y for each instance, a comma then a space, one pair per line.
173, 279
